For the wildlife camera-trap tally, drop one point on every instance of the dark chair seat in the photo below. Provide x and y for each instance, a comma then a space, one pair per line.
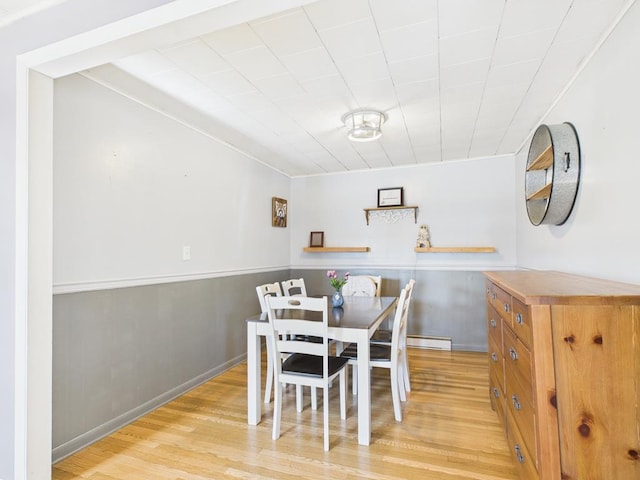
302, 364
381, 336
308, 338
376, 351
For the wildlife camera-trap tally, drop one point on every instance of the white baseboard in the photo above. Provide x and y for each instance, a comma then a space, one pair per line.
435, 343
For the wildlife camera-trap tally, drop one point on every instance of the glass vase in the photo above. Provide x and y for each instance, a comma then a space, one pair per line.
337, 300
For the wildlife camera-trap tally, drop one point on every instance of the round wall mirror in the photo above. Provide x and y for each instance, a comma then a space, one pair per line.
552, 174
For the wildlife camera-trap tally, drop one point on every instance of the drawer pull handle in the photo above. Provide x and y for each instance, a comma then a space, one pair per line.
519, 454
513, 354
496, 393
507, 307
519, 318
516, 403
494, 357
493, 323
493, 296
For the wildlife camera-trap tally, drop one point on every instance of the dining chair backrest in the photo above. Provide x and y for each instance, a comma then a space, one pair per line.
295, 286
268, 289
400, 321
362, 286
410, 285
298, 324
406, 380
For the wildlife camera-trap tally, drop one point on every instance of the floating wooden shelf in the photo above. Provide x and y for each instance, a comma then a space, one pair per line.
335, 249
388, 215
454, 249
542, 161
544, 192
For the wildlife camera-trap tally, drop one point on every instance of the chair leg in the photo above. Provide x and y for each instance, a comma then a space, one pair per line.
405, 370
269, 382
325, 409
314, 398
354, 379
343, 394
277, 409
299, 398
395, 394
400, 377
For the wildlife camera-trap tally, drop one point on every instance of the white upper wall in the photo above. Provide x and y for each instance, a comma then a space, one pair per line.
602, 235
466, 203
132, 187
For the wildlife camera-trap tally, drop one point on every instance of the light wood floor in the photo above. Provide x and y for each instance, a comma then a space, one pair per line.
449, 432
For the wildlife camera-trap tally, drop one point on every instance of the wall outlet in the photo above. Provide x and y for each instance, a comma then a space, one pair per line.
186, 253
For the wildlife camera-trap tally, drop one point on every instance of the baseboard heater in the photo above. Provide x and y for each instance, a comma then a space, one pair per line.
435, 343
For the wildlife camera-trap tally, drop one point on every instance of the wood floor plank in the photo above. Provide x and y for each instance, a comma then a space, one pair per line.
449, 432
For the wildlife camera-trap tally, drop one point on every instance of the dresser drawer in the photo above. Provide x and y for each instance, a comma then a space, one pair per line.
517, 361
500, 300
496, 362
494, 325
524, 461
520, 409
496, 393
522, 322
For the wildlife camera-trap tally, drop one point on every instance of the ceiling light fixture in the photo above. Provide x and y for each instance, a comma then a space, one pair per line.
364, 125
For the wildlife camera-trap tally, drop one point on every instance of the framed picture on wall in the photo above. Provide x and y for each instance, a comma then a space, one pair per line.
390, 197
316, 239
278, 212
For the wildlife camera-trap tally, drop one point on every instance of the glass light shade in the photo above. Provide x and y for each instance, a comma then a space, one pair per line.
364, 125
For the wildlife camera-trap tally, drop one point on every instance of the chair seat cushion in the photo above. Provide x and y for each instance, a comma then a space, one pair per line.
376, 351
302, 364
309, 338
381, 336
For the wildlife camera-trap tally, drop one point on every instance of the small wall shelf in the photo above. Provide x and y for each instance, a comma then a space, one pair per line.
392, 214
336, 249
544, 192
454, 249
542, 161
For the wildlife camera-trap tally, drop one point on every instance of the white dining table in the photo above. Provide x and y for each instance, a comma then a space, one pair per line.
354, 322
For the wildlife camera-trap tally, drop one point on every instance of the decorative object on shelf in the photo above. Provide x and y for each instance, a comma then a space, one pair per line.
364, 125
337, 283
316, 239
278, 212
391, 197
423, 240
552, 174
392, 214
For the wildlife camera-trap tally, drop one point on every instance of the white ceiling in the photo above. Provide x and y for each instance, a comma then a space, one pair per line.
458, 79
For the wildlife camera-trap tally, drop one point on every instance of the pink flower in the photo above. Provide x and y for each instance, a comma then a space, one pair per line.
336, 282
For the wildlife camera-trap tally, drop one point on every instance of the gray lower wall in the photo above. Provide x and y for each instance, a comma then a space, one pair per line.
445, 303
120, 353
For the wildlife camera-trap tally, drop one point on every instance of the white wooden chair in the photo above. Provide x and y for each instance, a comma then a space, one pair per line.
389, 356
307, 363
268, 289
362, 286
384, 337
295, 286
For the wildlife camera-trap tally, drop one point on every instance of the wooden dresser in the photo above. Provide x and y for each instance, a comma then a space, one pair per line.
564, 364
